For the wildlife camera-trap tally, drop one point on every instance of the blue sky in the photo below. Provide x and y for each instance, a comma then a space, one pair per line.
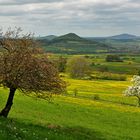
84, 17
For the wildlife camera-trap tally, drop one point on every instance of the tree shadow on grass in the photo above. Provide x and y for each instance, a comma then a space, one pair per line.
81, 133
12, 129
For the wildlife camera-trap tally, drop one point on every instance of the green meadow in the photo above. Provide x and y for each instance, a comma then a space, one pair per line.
68, 117
90, 110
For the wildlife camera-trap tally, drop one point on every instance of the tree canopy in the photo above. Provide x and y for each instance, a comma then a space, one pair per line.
78, 66
25, 67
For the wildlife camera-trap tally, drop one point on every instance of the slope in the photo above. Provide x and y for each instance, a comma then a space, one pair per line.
73, 44
73, 118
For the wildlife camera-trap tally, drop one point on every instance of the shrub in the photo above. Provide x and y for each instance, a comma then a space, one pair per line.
113, 58
96, 97
109, 76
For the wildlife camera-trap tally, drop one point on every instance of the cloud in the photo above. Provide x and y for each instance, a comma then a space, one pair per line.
21, 2
85, 17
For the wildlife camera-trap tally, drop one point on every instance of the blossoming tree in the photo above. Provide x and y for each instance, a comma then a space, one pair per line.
25, 67
134, 89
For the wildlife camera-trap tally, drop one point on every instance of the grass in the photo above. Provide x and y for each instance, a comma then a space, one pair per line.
130, 64
97, 86
38, 119
80, 116
112, 117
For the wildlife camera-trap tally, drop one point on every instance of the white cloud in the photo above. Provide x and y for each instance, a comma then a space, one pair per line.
86, 17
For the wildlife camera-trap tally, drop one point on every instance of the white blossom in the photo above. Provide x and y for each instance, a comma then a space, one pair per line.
134, 89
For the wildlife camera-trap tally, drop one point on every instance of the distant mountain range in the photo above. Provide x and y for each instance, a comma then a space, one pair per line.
71, 43
124, 36
116, 37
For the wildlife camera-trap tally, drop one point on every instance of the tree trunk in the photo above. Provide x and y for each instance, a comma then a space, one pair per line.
9, 103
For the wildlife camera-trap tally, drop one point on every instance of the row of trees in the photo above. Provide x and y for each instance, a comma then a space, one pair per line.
113, 58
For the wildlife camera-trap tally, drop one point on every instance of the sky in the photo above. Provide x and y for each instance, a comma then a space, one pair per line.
83, 17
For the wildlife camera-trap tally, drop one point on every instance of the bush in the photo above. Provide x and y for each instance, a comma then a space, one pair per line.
96, 97
109, 76
113, 58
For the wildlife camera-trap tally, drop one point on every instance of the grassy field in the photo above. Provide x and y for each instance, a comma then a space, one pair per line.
129, 66
110, 117
90, 110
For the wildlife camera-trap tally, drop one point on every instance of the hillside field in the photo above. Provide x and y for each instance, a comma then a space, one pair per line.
91, 109
111, 117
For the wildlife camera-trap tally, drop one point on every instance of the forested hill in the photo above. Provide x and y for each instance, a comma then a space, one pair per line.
124, 43
73, 44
